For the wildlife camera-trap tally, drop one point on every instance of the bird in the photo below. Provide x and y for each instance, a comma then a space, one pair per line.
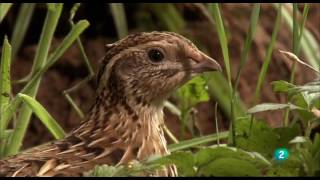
137, 74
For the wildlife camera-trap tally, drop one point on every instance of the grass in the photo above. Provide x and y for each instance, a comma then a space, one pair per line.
21, 26
252, 142
41, 64
5, 87
119, 17
4, 8
41, 56
268, 56
43, 115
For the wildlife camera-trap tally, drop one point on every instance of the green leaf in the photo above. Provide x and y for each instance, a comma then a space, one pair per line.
225, 161
286, 134
193, 92
44, 116
259, 137
215, 12
303, 100
229, 167
273, 106
183, 160
282, 86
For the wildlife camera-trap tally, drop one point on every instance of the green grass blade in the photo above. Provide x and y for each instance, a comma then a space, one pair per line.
5, 87
197, 141
247, 45
4, 8
267, 58
49, 27
297, 34
119, 17
243, 59
46, 36
52, 125
304, 19
221, 94
295, 39
295, 28
215, 12
21, 26
168, 16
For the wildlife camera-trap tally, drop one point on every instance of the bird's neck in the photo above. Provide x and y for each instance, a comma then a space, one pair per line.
135, 129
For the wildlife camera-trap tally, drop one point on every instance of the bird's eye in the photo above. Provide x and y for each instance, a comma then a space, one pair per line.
155, 55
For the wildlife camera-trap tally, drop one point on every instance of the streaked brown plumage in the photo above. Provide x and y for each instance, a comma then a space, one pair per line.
137, 75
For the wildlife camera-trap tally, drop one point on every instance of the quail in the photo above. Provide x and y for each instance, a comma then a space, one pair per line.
136, 76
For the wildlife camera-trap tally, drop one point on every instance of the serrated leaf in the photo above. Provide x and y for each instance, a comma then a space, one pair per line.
229, 161
184, 161
206, 155
262, 138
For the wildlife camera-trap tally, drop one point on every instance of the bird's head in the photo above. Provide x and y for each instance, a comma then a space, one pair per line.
147, 67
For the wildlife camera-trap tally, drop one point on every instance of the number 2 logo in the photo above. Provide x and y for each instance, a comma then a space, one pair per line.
281, 153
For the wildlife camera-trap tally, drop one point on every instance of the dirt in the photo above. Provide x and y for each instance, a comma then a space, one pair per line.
71, 69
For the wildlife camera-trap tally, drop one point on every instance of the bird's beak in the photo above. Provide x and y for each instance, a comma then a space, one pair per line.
202, 63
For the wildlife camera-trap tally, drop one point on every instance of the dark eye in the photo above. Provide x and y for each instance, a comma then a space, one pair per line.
155, 55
